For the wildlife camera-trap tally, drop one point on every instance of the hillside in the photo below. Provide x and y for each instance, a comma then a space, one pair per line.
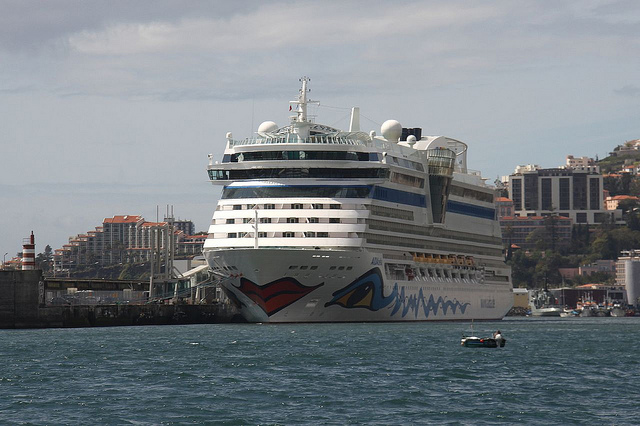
622, 156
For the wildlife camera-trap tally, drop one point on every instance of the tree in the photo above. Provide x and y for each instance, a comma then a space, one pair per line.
604, 247
627, 206
633, 221
44, 260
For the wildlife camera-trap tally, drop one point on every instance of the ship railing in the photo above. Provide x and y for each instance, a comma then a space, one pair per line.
294, 138
474, 172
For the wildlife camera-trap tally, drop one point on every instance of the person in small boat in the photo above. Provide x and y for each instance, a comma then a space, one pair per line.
498, 335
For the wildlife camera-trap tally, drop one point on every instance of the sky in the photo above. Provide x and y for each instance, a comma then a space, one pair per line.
111, 107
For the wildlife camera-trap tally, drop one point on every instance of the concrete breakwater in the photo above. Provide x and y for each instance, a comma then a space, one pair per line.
22, 305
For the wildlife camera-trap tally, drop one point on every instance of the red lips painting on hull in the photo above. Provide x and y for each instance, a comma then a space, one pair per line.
276, 295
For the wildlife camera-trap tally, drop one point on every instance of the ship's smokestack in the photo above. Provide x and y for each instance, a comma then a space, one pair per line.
29, 253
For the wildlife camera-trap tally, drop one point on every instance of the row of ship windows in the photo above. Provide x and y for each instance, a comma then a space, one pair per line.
289, 220
295, 206
297, 192
390, 212
389, 240
301, 155
314, 267
308, 234
405, 163
472, 194
305, 173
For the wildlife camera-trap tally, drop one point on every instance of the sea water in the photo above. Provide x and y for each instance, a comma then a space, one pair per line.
552, 371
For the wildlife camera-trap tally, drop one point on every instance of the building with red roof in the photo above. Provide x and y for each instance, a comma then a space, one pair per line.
123, 239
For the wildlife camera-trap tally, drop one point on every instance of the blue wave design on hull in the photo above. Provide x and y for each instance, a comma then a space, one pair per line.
414, 303
367, 292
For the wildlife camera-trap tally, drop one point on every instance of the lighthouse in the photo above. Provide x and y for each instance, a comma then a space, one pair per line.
29, 253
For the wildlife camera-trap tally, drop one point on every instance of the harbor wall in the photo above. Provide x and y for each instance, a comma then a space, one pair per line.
19, 302
22, 306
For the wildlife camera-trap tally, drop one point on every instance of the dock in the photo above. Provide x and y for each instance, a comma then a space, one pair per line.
26, 302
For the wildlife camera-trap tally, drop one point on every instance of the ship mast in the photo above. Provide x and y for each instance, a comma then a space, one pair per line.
299, 122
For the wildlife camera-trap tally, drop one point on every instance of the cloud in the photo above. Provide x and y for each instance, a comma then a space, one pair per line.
220, 51
628, 90
279, 25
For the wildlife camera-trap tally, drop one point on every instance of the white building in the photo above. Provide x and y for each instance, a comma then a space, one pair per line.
628, 274
573, 193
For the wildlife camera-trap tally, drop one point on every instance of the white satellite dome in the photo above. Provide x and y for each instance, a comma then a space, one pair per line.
267, 127
391, 130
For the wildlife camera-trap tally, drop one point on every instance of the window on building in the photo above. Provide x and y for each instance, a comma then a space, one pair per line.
232, 235
334, 220
335, 206
531, 191
296, 206
564, 193
594, 193
318, 206
288, 234
292, 220
516, 193
237, 207
323, 235
230, 221
265, 220
314, 220
580, 191
269, 206
581, 218
546, 195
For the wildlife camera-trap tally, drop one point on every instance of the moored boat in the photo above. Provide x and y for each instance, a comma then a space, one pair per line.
541, 304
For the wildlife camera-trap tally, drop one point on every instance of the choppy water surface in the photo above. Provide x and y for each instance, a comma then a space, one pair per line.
561, 371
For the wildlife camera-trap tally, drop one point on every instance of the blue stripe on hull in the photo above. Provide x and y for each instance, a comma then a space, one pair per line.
471, 210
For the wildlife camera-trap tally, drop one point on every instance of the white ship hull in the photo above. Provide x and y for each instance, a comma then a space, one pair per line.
289, 285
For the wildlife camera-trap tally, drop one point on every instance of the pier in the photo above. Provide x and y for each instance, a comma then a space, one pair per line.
29, 300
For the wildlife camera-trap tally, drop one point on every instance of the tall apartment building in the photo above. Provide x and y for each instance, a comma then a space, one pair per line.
127, 238
575, 193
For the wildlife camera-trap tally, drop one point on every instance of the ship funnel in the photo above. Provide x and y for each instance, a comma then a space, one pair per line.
354, 125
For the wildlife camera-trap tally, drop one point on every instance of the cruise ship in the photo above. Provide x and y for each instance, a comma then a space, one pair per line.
317, 224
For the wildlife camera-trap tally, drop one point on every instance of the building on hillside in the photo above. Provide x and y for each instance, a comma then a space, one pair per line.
603, 265
555, 230
612, 203
629, 147
568, 273
586, 164
572, 193
504, 207
123, 239
185, 226
628, 275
